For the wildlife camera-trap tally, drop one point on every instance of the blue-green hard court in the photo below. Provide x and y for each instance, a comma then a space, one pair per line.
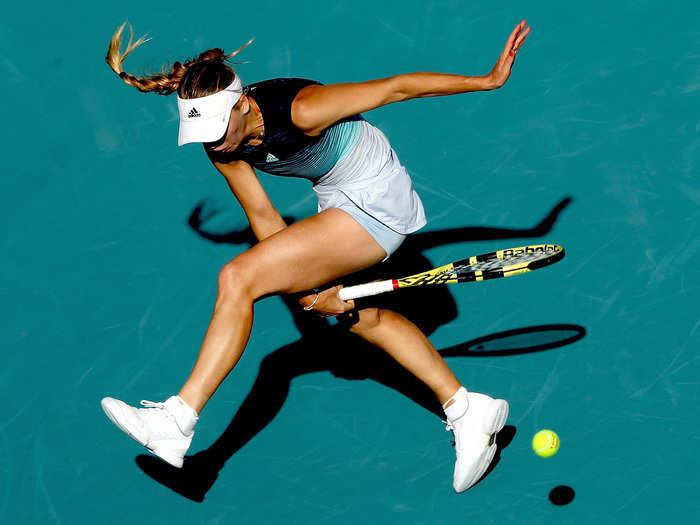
113, 237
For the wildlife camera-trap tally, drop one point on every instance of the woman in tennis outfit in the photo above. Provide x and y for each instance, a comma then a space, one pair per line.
366, 208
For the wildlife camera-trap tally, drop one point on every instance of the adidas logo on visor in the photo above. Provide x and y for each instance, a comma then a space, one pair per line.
193, 113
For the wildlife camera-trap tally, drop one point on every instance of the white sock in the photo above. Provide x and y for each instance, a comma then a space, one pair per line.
459, 407
185, 416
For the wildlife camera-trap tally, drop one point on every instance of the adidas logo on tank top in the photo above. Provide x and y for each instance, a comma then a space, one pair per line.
271, 158
193, 113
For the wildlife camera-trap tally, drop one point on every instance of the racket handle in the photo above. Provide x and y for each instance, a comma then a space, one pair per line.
365, 290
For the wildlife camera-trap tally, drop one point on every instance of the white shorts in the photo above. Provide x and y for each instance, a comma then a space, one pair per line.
370, 184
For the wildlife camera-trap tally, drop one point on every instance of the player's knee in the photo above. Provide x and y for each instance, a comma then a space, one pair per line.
235, 278
368, 319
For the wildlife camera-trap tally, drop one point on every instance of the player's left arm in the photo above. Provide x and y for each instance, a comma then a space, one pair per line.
317, 107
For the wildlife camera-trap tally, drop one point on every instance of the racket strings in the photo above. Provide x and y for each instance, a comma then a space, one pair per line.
495, 263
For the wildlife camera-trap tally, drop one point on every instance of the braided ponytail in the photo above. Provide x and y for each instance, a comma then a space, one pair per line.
206, 74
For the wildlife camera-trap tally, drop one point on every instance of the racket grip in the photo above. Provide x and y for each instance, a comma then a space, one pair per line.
365, 290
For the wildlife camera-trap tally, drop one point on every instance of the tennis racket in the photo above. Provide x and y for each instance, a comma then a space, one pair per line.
503, 263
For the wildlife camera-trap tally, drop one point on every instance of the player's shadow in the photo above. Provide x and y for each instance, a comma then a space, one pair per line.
324, 346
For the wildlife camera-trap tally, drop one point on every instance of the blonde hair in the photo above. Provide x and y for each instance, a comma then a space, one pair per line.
201, 76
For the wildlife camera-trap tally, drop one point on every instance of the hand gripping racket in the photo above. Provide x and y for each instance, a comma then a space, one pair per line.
503, 263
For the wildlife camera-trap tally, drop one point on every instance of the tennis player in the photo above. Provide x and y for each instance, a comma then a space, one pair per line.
366, 208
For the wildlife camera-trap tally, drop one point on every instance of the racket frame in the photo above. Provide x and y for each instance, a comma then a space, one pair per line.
451, 273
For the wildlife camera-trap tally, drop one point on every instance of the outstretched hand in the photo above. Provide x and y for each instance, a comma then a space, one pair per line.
501, 71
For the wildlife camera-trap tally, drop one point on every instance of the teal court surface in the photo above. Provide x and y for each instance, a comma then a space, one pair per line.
112, 239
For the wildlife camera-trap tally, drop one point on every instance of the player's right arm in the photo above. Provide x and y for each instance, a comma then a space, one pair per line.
264, 218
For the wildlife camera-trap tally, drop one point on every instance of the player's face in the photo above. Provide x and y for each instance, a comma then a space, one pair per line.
235, 133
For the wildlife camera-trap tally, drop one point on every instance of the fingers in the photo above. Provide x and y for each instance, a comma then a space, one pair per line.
521, 39
349, 304
516, 38
514, 34
511, 39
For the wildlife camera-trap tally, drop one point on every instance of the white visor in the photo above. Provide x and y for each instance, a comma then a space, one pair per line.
205, 119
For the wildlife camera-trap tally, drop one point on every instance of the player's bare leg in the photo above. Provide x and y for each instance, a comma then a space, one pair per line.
301, 256
404, 341
474, 418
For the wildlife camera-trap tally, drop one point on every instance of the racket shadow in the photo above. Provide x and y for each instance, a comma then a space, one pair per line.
351, 357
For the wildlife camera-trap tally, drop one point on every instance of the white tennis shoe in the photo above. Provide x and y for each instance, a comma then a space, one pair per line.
475, 438
158, 427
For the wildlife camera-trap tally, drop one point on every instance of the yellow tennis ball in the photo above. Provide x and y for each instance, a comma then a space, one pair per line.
545, 443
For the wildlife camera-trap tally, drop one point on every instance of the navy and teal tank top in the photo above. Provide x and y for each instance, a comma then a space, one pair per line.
285, 149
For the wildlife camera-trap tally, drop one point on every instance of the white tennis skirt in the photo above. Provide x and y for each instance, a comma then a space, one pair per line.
370, 184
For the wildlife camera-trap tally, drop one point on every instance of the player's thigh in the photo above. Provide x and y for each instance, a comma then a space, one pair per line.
309, 253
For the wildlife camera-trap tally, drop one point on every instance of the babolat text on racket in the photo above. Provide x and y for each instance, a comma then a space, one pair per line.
503, 263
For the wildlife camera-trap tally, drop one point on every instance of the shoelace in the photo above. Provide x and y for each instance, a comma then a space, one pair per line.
448, 427
162, 413
152, 404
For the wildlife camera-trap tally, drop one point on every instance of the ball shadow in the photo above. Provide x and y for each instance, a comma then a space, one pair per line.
562, 495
